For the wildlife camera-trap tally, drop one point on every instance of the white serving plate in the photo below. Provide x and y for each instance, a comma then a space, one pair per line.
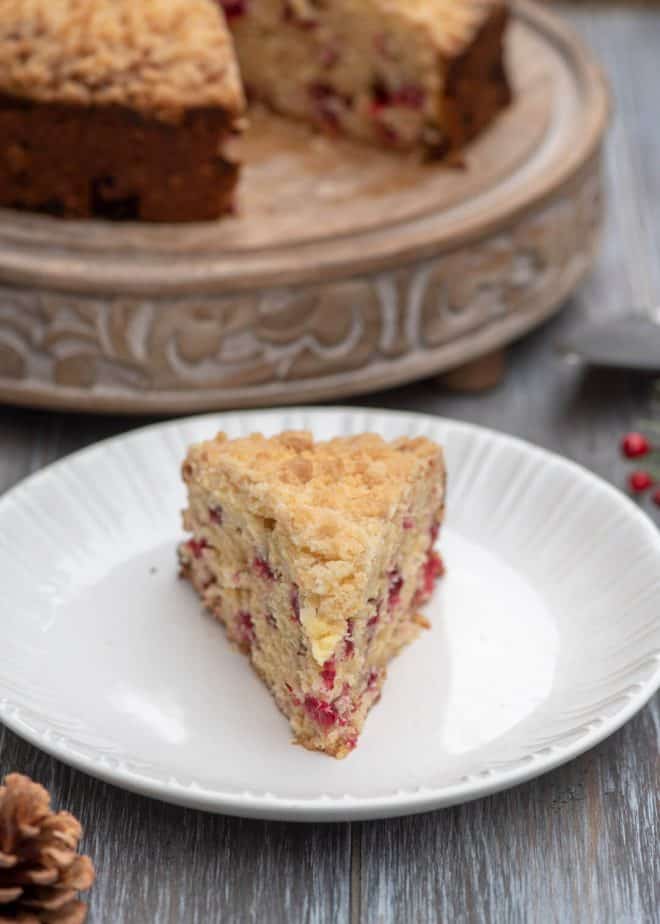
545, 638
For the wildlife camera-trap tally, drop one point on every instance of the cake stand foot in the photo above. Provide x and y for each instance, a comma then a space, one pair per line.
478, 375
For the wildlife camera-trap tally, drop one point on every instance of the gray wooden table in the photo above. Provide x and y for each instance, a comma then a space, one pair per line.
577, 845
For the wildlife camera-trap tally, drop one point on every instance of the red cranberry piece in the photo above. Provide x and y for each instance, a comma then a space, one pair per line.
380, 98
329, 674
411, 96
639, 482
328, 106
656, 497
408, 522
435, 529
372, 679
375, 619
215, 515
433, 569
246, 627
394, 588
263, 569
295, 603
234, 8
351, 742
197, 546
634, 445
349, 645
323, 713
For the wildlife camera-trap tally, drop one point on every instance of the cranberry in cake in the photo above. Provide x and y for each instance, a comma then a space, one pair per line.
401, 73
120, 109
316, 557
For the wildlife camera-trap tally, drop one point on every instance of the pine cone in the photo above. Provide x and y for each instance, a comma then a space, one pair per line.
40, 869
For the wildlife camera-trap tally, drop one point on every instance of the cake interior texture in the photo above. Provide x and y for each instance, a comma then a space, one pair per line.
316, 557
398, 73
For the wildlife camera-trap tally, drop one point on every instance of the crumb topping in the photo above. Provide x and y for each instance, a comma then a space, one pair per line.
159, 57
345, 480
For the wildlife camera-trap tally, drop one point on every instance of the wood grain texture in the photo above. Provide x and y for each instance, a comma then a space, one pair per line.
579, 845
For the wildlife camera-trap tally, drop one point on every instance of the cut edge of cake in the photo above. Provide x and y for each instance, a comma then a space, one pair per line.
316, 557
403, 74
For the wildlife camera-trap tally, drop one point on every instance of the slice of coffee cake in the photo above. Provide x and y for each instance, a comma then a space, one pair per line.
316, 557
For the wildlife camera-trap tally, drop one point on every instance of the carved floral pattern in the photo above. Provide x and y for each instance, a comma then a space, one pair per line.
137, 346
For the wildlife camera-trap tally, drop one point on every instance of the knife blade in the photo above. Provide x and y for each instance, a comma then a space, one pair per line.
628, 343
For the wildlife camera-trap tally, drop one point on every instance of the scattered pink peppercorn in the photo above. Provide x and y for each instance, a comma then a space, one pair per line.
639, 482
634, 445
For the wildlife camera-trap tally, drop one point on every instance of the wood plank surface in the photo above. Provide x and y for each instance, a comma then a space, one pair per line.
577, 845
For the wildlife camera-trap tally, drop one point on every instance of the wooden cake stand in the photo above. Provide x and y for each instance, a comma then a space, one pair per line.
348, 269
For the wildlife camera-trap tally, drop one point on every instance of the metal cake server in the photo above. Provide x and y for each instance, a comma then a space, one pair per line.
628, 343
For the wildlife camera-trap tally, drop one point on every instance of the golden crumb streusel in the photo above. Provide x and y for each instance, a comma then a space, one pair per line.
160, 57
356, 478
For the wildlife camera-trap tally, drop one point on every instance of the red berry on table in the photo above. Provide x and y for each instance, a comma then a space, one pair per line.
656, 497
639, 482
634, 445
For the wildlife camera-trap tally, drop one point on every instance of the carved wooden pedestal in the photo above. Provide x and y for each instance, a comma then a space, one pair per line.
348, 269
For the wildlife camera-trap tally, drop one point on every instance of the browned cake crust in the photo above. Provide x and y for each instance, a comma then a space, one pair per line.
111, 162
477, 86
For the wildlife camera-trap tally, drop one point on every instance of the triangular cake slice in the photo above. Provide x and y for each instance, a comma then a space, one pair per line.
316, 557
